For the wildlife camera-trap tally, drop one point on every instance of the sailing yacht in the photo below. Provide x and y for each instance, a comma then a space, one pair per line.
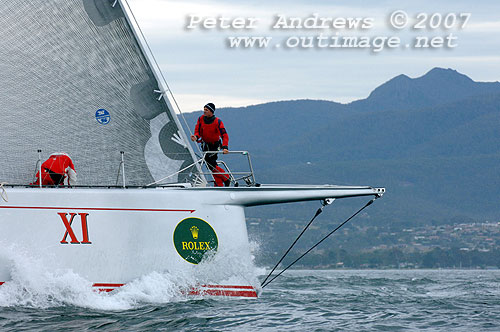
77, 77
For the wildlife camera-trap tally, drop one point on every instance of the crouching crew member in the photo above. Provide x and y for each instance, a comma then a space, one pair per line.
57, 170
209, 131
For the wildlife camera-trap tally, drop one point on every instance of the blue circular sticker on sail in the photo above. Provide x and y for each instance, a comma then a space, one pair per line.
102, 116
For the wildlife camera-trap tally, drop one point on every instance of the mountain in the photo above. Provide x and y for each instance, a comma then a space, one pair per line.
438, 86
432, 141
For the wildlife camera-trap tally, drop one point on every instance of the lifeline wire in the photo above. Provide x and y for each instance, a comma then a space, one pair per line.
290, 248
323, 239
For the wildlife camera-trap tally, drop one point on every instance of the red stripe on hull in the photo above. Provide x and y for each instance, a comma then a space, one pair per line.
226, 286
107, 290
107, 285
224, 292
92, 209
212, 290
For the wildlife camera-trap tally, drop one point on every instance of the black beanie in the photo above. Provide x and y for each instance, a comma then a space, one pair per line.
211, 107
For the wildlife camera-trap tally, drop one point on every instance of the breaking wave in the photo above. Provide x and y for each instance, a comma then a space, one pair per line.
33, 285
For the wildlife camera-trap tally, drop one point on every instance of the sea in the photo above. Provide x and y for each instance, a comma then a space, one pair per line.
299, 300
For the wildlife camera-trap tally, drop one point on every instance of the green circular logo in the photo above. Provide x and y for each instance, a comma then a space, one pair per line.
194, 237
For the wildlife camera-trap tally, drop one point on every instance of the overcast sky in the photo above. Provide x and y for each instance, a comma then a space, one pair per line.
200, 66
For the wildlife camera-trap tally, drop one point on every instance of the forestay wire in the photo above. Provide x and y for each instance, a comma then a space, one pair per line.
264, 284
157, 66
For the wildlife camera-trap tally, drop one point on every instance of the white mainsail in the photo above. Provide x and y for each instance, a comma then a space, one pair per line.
75, 79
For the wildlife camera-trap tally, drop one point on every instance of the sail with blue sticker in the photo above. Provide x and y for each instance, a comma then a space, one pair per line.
76, 78
102, 116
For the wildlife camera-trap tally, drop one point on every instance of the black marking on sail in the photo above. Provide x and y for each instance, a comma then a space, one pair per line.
145, 100
188, 174
171, 149
176, 151
101, 12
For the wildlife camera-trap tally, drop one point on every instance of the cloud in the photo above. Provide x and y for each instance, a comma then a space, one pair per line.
198, 64
492, 27
194, 102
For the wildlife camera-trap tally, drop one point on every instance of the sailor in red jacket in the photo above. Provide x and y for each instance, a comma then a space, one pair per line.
209, 131
57, 170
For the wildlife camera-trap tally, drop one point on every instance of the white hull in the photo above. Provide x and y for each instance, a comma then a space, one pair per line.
122, 234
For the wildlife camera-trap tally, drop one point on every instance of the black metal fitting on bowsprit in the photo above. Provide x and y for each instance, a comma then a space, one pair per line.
327, 201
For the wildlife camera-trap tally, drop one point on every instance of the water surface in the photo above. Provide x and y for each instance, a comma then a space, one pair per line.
332, 300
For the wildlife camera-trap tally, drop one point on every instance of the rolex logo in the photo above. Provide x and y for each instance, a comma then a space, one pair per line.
193, 238
194, 231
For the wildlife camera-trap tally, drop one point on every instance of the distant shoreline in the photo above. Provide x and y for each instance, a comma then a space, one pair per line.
389, 269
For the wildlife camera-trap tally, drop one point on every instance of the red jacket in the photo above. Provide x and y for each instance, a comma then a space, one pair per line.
58, 163
211, 130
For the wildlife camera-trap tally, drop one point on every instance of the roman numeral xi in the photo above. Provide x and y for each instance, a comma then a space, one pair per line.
69, 230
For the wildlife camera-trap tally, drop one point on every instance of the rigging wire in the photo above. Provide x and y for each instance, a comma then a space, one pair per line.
159, 69
199, 161
323, 239
323, 203
37, 166
4, 192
